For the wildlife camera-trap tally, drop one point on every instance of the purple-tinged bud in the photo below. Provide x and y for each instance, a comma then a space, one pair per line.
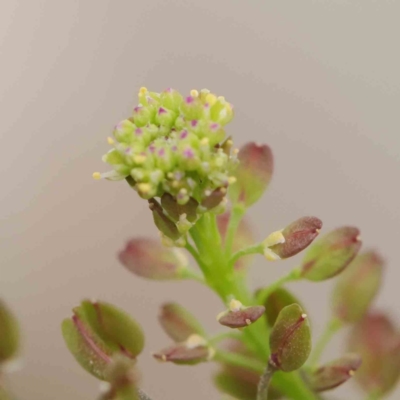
178, 323
142, 115
175, 210
377, 341
123, 131
253, 174
290, 340
149, 259
9, 334
162, 222
171, 99
244, 238
192, 108
214, 199
331, 254
335, 373
165, 117
357, 287
276, 301
97, 332
238, 316
298, 235
193, 351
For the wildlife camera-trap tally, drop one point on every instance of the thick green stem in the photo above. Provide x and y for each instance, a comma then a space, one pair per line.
333, 326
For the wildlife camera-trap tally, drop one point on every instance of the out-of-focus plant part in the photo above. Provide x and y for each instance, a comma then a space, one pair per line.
9, 334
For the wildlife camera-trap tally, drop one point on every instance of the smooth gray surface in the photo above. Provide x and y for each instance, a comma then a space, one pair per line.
317, 80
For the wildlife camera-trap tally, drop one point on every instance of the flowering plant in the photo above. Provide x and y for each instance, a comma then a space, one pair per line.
173, 151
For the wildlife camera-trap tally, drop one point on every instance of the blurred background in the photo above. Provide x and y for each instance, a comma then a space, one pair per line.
316, 80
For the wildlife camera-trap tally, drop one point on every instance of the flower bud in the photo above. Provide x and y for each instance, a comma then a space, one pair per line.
244, 238
253, 174
178, 323
335, 373
357, 287
175, 210
298, 235
239, 316
9, 334
97, 332
214, 198
162, 222
331, 254
377, 341
193, 351
276, 301
290, 339
148, 258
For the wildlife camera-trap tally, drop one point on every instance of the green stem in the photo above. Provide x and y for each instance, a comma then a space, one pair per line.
333, 326
237, 214
225, 335
238, 360
255, 249
265, 380
263, 294
196, 256
375, 395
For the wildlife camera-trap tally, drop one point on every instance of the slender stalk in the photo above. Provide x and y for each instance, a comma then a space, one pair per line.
255, 249
265, 380
238, 360
263, 294
333, 326
194, 254
236, 216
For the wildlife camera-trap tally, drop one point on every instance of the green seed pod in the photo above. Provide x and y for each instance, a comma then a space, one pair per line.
290, 339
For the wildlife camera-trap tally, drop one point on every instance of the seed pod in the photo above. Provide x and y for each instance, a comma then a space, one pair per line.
357, 287
335, 373
149, 259
331, 254
290, 339
178, 323
377, 341
193, 351
97, 332
239, 316
253, 174
298, 235
162, 222
9, 334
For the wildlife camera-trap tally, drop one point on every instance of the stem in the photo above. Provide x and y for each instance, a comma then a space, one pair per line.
194, 254
373, 395
333, 326
255, 249
238, 360
263, 294
236, 215
265, 380
225, 335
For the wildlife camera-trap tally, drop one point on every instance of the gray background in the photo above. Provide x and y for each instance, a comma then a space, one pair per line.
317, 80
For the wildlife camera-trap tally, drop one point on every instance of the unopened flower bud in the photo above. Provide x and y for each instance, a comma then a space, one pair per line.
175, 210
148, 258
298, 235
290, 339
9, 334
377, 341
162, 221
276, 301
178, 323
97, 332
335, 373
273, 239
253, 174
331, 254
357, 287
193, 351
239, 316
214, 199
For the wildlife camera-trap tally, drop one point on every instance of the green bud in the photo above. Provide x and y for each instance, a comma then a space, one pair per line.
97, 332
276, 301
357, 287
331, 254
149, 259
9, 334
253, 174
290, 339
335, 373
297, 236
377, 341
178, 323
238, 316
162, 221
193, 351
